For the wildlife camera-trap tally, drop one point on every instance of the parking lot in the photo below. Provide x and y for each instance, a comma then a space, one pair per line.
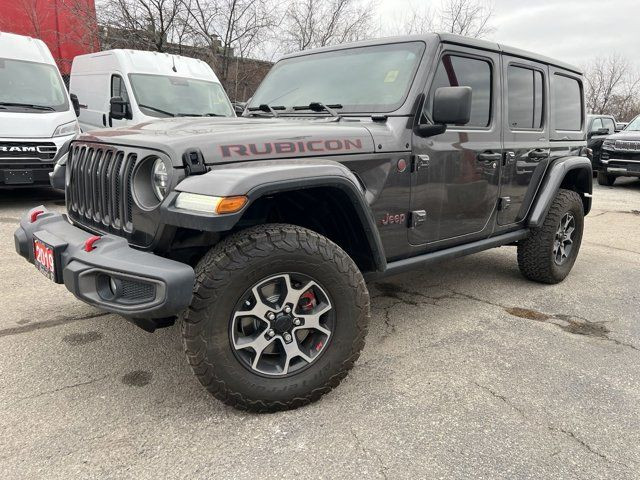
469, 371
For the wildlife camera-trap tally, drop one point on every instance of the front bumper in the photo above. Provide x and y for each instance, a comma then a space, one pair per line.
32, 171
147, 285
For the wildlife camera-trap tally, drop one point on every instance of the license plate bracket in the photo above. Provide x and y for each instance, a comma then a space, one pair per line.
47, 255
18, 177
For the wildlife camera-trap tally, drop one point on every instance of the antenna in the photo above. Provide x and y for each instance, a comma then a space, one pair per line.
173, 58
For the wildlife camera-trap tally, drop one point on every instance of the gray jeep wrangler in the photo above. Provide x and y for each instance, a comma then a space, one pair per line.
349, 162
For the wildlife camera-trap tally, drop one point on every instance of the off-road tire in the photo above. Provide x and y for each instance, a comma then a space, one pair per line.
233, 266
535, 253
606, 180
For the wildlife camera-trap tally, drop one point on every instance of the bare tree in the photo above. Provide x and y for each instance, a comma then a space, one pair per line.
231, 30
471, 18
84, 31
147, 23
37, 13
611, 87
318, 23
466, 17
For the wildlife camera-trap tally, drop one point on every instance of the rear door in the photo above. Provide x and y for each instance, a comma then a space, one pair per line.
455, 174
526, 136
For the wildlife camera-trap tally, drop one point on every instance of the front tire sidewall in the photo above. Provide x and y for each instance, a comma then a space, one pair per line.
321, 375
560, 272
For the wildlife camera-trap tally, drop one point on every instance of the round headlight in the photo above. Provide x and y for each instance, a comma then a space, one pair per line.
159, 179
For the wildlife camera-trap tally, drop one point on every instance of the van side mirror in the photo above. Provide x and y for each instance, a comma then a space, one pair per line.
119, 108
452, 105
599, 132
76, 104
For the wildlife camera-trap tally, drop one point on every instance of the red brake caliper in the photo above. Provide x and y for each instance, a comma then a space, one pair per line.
307, 303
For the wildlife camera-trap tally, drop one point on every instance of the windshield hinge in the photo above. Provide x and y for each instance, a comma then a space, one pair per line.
194, 162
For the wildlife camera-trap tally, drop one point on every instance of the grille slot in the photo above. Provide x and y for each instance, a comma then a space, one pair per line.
27, 151
99, 191
628, 145
137, 291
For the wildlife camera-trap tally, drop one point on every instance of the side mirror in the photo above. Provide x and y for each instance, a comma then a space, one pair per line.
76, 104
452, 105
119, 108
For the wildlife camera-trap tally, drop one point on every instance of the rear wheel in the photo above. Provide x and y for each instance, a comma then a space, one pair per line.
606, 179
278, 317
549, 253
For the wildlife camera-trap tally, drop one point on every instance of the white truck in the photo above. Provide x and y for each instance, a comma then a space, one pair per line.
37, 118
117, 88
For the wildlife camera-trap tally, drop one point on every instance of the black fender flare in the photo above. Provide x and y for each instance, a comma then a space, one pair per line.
256, 179
554, 179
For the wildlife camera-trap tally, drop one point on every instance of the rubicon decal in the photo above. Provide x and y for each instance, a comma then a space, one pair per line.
313, 146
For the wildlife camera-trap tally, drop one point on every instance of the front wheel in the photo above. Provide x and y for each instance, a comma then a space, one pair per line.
549, 253
278, 317
605, 179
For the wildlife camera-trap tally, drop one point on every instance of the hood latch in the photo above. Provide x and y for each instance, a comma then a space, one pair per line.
193, 161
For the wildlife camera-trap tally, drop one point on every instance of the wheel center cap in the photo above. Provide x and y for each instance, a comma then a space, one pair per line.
283, 323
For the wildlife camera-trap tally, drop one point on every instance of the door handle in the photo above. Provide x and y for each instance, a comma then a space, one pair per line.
489, 157
538, 154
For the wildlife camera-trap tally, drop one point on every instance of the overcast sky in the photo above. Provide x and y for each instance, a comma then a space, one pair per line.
570, 30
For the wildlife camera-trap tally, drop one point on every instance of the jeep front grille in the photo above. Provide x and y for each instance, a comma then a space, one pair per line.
99, 189
628, 145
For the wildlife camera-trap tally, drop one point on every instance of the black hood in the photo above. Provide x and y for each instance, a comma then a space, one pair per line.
631, 135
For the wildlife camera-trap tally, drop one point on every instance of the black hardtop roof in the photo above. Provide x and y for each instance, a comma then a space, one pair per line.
451, 39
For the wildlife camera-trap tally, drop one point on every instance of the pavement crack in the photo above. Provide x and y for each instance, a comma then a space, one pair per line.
383, 468
65, 387
55, 322
567, 433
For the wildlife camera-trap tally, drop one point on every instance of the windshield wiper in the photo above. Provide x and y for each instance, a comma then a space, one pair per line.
320, 107
157, 110
265, 107
28, 105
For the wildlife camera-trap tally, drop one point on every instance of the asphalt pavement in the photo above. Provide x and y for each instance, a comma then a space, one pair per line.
470, 371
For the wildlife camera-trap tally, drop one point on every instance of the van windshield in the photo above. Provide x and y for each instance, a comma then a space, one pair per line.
361, 79
31, 87
163, 96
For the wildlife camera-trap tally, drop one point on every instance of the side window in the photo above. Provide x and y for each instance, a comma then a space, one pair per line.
118, 88
596, 125
567, 103
609, 125
525, 97
457, 71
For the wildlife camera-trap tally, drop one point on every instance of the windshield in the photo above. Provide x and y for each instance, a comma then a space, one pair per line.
30, 86
634, 125
363, 79
163, 96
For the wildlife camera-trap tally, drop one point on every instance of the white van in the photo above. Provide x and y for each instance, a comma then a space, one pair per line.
37, 118
117, 88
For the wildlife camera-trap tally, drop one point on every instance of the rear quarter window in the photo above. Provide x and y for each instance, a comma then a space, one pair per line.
566, 108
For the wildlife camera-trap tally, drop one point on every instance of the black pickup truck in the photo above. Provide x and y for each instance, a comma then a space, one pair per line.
349, 163
620, 155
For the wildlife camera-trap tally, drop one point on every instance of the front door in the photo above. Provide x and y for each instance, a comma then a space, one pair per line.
118, 89
526, 136
456, 174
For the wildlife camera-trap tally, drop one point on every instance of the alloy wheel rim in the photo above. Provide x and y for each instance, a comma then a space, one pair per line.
282, 325
563, 241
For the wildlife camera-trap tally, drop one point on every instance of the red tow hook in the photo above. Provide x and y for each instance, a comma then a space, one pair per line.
35, 214
88, 244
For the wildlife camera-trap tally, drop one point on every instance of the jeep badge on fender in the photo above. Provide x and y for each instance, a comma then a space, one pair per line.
258, 232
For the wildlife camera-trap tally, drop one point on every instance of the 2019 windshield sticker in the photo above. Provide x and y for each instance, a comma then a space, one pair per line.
314, 146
